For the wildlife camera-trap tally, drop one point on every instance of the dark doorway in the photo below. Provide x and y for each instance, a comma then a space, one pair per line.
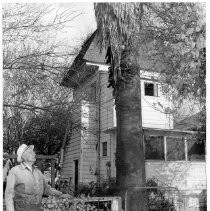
76, 174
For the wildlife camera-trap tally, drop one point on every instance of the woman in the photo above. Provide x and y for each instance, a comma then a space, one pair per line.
26, 184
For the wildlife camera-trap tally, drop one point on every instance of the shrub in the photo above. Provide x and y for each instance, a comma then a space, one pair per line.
67, 204
156, 199
93, 189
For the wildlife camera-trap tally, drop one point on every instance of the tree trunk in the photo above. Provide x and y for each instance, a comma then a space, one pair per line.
130, 161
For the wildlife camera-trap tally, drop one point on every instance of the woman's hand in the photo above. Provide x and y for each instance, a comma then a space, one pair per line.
64, 196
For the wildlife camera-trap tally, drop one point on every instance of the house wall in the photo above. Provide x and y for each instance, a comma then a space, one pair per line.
154, 107
106, 122
88, 142
153, 116
83, 140
73, 147
188, 177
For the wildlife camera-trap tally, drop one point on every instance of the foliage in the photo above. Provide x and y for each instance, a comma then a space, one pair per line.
156, 198
106, 188
70, 204
46, 131
200, 136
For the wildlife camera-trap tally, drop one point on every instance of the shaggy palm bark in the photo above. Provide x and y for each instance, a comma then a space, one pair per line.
130, 162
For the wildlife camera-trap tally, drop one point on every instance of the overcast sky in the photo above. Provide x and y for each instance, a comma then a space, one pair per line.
81, 25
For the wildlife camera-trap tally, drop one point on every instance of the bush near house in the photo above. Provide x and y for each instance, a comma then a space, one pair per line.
93, 189
156, 199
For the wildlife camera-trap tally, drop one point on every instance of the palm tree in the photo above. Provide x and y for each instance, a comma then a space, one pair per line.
124, 78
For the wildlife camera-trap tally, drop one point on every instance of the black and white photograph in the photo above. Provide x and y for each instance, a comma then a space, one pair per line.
104, 106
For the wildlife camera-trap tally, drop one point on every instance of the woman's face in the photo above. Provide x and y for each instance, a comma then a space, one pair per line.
29, 155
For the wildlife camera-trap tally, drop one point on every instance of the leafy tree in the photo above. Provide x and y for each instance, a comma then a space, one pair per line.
46, 132
168, 37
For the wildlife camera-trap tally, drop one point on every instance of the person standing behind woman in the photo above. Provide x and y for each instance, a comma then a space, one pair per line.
26, 184
6, 169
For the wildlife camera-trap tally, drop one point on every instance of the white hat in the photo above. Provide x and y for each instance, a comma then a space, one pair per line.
21, 150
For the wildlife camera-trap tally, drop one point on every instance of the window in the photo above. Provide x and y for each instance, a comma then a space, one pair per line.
154, 147
175, 149
196, 151
151, 89
104, 149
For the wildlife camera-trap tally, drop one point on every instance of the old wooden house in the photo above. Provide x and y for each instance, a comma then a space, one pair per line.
172, 156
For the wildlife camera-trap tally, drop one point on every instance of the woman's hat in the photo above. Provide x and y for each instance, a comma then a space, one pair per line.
21, 150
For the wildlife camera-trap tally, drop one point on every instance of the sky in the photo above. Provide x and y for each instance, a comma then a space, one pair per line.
82, 25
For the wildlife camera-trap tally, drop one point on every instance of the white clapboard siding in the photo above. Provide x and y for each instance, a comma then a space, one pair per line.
73, 148
71, 153
154, 107
106, 122
89, 142
82, 140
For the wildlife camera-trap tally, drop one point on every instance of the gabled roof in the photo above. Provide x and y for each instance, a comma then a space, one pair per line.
90, 52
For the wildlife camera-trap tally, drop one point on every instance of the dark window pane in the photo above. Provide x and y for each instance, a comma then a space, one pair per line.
175, 148
149, 89
196, 151
154, 148
104, 148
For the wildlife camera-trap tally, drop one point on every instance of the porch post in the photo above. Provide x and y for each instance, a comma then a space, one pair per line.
165, 148
186, 149
53, 173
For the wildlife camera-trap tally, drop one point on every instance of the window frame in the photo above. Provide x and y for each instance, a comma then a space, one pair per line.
155, 89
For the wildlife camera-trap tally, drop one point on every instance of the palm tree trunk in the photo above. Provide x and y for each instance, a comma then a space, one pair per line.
130, 162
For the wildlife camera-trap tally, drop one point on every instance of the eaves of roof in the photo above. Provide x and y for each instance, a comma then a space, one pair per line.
90, 52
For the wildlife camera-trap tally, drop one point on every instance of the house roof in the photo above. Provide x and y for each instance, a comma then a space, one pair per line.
90, 52
94, 53
190, 122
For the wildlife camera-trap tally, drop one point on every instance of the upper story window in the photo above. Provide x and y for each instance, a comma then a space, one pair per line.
151, 89
104, 149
